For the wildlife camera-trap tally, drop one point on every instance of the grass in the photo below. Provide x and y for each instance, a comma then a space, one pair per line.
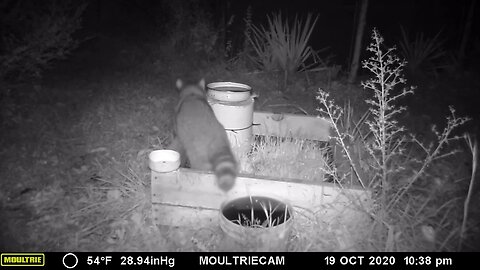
99, 183
265, 220
285, 158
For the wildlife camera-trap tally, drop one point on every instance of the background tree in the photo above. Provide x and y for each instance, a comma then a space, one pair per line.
358, 41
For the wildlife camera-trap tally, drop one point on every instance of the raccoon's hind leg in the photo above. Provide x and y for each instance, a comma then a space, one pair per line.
176, 145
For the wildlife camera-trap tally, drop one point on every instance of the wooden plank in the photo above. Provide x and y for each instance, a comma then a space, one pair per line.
291, 125
186, 187
174, 215
194, 194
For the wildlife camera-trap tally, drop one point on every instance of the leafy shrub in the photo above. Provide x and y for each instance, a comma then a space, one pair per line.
36, 33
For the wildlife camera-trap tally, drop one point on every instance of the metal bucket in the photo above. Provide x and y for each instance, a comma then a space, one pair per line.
232, 104
257, 223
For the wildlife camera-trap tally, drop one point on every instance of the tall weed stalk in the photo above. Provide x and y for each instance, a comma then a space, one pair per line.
388, 134
395, 170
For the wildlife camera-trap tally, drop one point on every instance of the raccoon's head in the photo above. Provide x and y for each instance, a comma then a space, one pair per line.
187, 89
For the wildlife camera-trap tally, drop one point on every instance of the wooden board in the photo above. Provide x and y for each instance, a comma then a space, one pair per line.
291, 125
189, 197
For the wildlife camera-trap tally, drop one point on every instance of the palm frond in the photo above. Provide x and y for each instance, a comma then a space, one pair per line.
281, 45
422, 53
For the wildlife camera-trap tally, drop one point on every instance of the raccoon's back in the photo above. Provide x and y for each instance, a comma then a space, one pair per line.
200, 132
205, 141
196, 116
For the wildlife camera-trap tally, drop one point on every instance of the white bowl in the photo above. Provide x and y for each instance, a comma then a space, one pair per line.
228, 91
164, 160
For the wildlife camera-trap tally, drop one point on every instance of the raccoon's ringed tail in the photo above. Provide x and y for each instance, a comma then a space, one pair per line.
226, 173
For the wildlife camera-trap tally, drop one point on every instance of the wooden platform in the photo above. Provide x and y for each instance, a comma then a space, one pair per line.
190, 198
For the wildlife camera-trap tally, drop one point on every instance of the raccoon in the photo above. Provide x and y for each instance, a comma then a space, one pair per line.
200, 137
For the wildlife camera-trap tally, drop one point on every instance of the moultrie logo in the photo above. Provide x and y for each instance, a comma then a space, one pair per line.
22, 259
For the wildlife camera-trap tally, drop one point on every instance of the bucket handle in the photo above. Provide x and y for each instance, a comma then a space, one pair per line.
239, 129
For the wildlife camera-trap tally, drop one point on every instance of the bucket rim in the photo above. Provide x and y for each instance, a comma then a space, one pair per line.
287, 222
242, 87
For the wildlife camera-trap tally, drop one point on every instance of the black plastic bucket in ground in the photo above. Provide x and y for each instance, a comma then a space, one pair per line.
257, 222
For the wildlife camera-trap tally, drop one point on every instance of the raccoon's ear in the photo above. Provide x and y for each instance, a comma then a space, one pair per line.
179, 84
201, 83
